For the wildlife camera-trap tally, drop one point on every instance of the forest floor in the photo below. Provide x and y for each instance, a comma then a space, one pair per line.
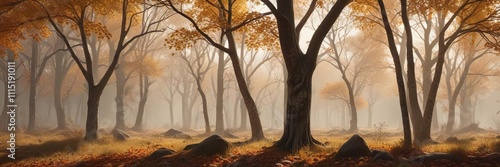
66, 148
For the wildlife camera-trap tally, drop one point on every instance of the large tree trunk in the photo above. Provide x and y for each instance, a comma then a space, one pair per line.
32, 94
120, 93
94, 95
297, 132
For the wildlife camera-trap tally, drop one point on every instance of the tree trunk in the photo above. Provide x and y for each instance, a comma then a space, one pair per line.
243, 116
398, 67
205, 106
186, 124
94, 96
219, 117
143, 95
61, 115
297, 132
140, 116
353, 124
370, 115
32, 94
431, 100
253, 115
120, 93
466, 113
235, 115
171, 107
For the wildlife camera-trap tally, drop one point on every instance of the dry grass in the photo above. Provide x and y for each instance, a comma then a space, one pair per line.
47, 146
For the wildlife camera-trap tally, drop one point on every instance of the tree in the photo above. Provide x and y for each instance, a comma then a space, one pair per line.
76, 15
230, 17
36, 69
198, 66
457, 69
349, 56
397, 66
300, 68
339, 91
148, 69
456, 19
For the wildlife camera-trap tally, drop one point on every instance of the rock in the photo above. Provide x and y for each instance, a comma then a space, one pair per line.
119, 134
172, 133
355, 147
190, 147
278, 165
161, 152
212, 145
470, 128
381, 155
431, 157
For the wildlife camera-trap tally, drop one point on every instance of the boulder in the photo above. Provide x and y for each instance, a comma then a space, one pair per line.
212, 145
119, 134
161, 152
355, 147
381, 155
172, 133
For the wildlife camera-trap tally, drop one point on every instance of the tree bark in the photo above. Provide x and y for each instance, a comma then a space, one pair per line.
219, 117
33, 83
398, 67
205, 106
94, 95
120, 93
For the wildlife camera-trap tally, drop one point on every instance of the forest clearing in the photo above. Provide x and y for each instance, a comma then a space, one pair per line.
250, 83
65, 148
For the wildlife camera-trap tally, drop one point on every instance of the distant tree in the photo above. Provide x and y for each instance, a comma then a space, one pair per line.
228, 18
198, 64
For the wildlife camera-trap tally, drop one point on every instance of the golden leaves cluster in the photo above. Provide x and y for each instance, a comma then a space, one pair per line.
212, 17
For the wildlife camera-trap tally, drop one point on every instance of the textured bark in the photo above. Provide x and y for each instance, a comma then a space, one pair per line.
300, 68
94, 95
